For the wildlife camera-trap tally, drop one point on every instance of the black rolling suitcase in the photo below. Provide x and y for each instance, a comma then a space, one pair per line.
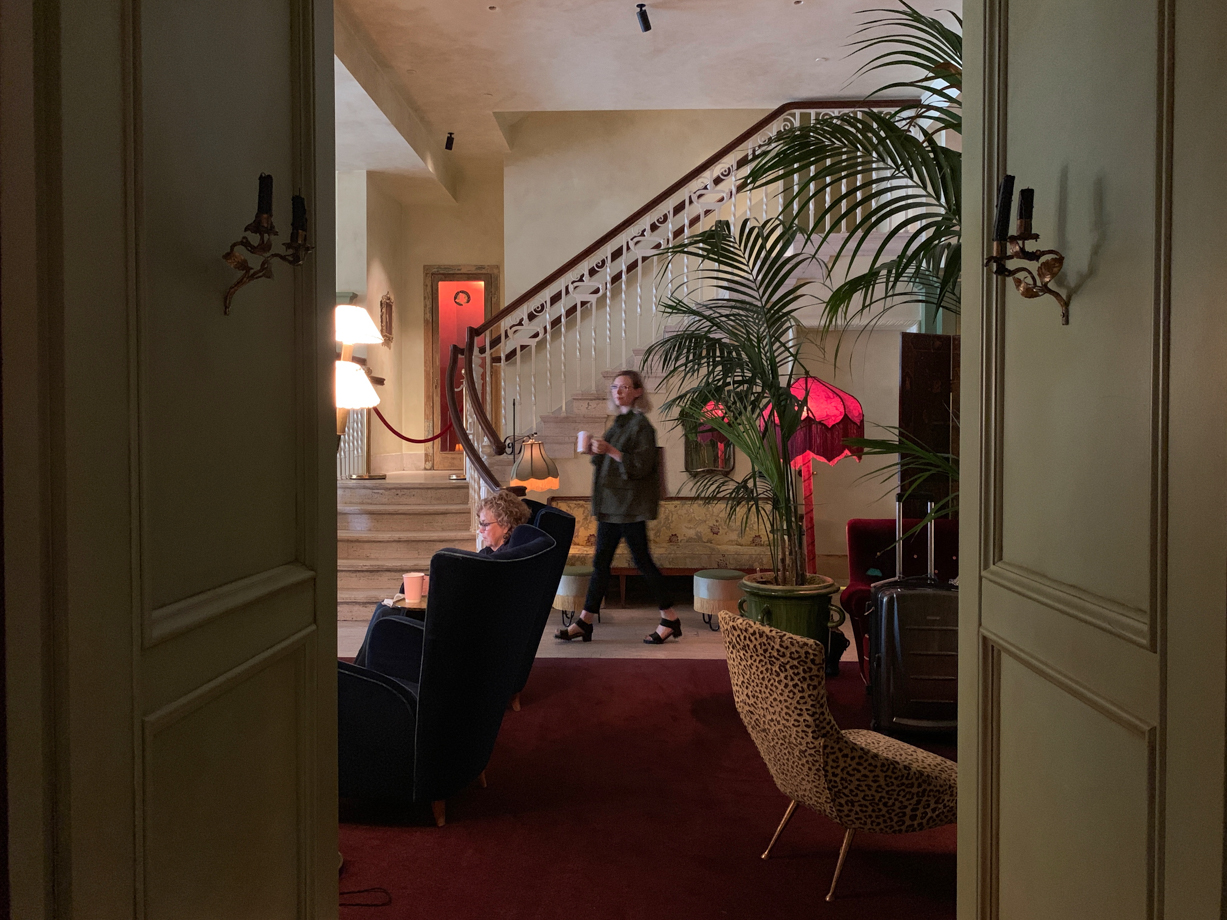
913, 648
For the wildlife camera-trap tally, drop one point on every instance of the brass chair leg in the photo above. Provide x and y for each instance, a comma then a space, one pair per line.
439, 811
792, 806
839, 866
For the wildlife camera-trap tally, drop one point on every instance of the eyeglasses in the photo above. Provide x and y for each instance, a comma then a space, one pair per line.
620, 388
482, 525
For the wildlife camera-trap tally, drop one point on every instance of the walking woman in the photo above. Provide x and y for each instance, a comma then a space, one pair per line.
625, 496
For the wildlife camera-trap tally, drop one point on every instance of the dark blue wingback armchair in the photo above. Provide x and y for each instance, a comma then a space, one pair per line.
420, 721
561, 526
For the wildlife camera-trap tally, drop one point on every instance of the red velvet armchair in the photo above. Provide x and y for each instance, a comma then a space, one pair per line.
871, 557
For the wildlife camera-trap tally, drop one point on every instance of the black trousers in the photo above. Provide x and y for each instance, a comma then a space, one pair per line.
608, 536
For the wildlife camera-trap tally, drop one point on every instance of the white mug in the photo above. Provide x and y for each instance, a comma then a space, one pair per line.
413, 586
581, 444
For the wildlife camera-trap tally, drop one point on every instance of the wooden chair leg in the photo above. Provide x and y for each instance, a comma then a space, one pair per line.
439, 812
839, 866
481, 779
792, 806
515, 703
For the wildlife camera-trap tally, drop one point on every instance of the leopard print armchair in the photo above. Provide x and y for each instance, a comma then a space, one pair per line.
862, 780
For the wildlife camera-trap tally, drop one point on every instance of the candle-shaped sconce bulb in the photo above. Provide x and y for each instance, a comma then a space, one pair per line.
298, 218
264, 204
1026, 203
1005, 204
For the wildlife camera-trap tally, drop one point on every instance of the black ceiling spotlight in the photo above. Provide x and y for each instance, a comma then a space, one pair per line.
447, 144
645, 24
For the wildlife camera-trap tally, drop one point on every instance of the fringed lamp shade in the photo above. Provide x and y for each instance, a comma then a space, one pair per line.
535, 470
828, 415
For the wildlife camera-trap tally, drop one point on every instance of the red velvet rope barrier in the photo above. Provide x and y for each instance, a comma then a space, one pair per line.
405, 437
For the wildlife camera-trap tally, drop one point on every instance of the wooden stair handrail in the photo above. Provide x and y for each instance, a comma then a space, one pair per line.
475, 400
462, 434
680, 184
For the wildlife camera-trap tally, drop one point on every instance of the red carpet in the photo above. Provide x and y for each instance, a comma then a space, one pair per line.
629, 789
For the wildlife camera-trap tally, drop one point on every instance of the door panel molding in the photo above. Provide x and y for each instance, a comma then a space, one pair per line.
300, 648
177, 618
994, 651
1124, 622
1111, 615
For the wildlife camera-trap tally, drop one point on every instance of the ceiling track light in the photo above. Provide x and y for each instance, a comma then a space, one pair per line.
645, 24
450, 142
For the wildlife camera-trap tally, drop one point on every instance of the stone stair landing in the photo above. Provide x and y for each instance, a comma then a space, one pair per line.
388, 527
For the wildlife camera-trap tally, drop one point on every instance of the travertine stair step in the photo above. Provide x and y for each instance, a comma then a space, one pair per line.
402, 518
381, 576
375, 491
398, 544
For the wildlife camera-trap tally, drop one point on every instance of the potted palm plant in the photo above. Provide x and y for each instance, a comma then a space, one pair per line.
730, 362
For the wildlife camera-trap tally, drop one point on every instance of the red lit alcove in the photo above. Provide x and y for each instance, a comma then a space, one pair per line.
461, 304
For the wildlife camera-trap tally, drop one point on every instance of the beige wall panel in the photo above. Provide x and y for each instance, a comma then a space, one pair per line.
216, 389
1078, 435
1073, 792
241, 744
572, 176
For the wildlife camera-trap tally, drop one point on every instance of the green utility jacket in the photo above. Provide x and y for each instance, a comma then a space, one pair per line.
625, 492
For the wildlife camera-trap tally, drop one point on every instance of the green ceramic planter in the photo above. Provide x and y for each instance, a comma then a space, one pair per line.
804, 610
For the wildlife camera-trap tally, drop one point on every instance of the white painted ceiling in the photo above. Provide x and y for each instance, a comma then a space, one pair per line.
458, 62
365, 139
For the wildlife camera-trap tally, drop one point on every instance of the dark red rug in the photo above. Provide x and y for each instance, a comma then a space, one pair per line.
629, 790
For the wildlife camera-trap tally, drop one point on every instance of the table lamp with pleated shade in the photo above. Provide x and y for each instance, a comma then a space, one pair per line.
353, 389
535, 471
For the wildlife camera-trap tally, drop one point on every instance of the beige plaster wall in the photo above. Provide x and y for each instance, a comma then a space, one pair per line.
435, 230
351, 231
572, 176
386, 227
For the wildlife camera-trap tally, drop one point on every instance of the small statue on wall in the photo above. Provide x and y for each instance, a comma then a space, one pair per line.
385, 317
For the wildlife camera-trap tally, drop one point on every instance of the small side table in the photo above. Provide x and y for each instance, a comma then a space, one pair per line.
572, 590
716, 590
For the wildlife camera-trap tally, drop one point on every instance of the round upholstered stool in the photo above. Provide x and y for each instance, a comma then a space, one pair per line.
716, 590
572, 589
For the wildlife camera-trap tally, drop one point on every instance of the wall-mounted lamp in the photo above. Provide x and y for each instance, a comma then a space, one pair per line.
645, 24
353, 389
262, 225
450, 142
1006, 248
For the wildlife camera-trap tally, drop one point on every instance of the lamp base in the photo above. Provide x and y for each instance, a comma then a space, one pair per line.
368, 475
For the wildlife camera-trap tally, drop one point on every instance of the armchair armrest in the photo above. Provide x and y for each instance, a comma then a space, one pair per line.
395, 648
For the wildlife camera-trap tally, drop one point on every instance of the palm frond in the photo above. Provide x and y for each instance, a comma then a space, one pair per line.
882, 185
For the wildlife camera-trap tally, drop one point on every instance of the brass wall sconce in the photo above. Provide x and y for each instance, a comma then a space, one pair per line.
262, 225
1006, 248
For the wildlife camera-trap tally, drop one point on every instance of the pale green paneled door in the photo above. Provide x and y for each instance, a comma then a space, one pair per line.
1094, 558
190, 645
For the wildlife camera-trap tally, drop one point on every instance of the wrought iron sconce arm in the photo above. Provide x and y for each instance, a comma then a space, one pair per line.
1030, 284
262, 226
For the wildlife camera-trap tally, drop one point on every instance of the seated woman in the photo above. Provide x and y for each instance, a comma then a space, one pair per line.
497, 516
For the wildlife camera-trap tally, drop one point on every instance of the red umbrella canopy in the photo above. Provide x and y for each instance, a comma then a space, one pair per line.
828, 415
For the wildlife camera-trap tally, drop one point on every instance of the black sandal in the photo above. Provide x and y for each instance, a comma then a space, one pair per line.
585, 631
655, 638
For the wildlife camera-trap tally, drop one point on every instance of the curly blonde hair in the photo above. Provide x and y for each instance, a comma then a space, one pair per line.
506, 507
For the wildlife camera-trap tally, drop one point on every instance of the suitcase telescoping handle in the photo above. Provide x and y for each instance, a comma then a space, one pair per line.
930, 536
